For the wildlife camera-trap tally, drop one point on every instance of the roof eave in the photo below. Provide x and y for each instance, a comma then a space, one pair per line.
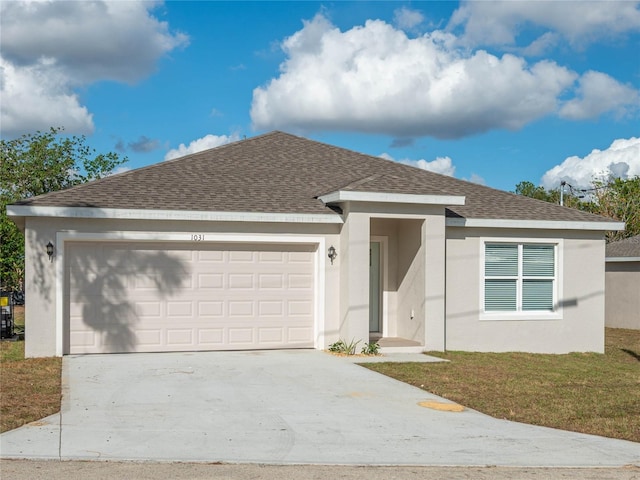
340, 196
534, 224
622, 259
18, 211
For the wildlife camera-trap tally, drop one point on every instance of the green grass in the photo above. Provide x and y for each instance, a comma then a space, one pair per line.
29, 388
582, 392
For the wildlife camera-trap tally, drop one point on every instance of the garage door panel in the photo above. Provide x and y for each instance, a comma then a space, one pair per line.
298, 334
240, 257
210, 256
300, 281
242, 281
176, 336
172, 298
271, 335
241, 336
149, 338
211, 337
270, 281
179, 309
272, 257
211, 309
210, 280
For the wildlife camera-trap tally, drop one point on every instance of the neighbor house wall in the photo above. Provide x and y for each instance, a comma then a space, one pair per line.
40, 273
578, 325
622, 302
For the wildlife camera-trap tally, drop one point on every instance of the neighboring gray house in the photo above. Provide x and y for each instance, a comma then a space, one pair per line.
228, 249
622, 284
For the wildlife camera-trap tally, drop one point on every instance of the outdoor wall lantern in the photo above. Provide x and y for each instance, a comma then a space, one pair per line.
50, 251
332, 253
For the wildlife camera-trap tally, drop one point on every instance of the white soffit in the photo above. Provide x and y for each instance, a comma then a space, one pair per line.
349, 196
142, 214
622, 259
534, 224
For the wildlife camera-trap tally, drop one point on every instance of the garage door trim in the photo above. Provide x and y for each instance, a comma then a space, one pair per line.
195, 238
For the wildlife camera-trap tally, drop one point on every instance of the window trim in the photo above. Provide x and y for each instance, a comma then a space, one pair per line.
520, 315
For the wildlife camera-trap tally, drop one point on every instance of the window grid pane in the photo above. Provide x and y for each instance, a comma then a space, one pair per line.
537, 295
501, 260
500, 295
538, 261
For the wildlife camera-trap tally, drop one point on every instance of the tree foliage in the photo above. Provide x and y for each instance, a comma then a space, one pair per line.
34, 164
614, 198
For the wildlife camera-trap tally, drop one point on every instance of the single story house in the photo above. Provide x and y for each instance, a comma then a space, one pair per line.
622, 284
278, 241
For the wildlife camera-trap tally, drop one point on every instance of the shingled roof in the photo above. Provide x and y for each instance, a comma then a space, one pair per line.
282, 173
629, 247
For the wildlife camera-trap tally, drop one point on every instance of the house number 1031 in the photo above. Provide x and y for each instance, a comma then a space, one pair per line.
197, 237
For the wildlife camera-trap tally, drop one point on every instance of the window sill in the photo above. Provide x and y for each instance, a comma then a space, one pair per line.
521, 316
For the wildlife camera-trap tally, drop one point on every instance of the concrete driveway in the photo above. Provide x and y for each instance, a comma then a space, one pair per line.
279, 407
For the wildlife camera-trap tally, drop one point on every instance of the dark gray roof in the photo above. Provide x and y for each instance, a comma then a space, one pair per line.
281, 173
629, 247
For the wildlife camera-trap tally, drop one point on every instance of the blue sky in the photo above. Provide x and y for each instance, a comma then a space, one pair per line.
490, 92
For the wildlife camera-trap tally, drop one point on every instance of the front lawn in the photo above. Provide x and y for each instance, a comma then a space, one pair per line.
29, 388
582, 392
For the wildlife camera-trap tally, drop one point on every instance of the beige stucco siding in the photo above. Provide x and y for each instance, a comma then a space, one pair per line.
578, 325
43, 335
622, 283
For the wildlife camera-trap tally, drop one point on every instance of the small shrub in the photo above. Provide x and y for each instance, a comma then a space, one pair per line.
341, 346
371, 348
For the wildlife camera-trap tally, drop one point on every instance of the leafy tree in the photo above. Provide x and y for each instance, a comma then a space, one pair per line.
34, 164
619, 199
614, 198
528, 189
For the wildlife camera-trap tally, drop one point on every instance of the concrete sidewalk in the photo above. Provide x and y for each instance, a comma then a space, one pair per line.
280, 407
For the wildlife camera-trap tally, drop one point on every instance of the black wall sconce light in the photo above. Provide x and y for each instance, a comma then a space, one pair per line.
332, 253
50, 251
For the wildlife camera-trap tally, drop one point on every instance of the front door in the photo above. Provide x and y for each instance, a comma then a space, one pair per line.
374, 287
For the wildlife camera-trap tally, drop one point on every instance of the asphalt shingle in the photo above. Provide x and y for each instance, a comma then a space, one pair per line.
629, 247
282, 173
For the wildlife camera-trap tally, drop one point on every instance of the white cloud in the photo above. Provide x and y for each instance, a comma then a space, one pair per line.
475, 178
621, 159
120, 169
442, 165
51, 48
599, 93
499, 22
373, 78
406, 18
36, 97
200, 144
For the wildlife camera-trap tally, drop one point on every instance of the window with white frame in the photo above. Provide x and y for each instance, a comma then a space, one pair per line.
519, 277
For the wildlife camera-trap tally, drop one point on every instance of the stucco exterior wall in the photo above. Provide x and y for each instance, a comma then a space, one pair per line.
354, 278
40, 273
622, 287
579, 322
411, 282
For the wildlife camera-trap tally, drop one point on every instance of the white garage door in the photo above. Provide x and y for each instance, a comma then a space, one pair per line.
137, 297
